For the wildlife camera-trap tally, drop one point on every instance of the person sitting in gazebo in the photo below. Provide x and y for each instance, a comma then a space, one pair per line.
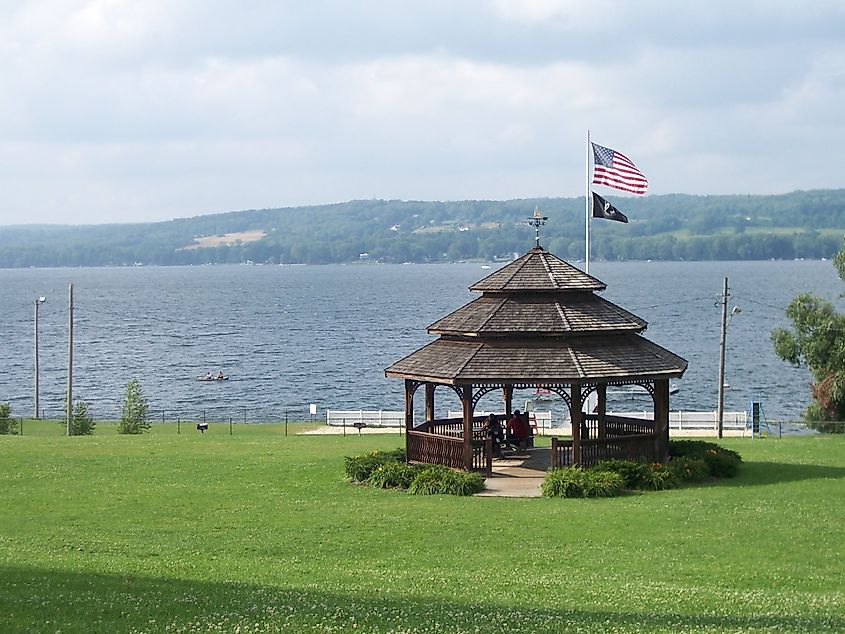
493, 428
518, 431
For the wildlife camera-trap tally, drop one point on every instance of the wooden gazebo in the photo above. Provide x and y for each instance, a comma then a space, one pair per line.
538, 323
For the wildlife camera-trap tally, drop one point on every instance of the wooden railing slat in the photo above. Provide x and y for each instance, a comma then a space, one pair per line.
638, 447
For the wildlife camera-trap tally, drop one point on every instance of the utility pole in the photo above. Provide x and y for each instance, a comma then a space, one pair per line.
721, 410
69, 359
38, 303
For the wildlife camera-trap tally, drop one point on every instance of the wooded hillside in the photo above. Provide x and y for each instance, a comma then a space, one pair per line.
808, 224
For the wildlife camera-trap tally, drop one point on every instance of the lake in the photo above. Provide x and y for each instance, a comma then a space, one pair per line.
288, 336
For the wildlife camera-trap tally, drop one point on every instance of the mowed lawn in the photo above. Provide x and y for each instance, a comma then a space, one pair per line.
259, 532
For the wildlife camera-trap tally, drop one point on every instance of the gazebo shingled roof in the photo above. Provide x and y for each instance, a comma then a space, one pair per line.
538, 270
539, 320
537, 314
586, 359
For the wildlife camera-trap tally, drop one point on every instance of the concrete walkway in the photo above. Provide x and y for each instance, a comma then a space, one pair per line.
518, 476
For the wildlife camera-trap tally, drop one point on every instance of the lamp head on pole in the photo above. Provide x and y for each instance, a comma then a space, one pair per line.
736, 310
41, 300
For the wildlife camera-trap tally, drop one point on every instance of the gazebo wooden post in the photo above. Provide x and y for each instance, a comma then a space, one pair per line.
429, 401
576, 418
601, 392
507, 395
409, 415
409, 405
661, 419
466, 402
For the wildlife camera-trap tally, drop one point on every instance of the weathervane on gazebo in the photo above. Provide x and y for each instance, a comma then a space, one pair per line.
537, 221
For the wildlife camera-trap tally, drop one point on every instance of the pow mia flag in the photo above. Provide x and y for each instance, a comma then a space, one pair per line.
603, 209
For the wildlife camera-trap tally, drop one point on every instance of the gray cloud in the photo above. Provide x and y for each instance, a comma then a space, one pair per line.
122, 111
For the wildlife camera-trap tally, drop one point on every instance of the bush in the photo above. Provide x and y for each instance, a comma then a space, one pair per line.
688, 469
393, 475
359, 468
459, 482
8, 425
602, 483
694, 448
697, 448
721, 462
428, 480
570, 482
632, 472
134, 411
387, 469
564, 482
657, 477
437, 479
81, 422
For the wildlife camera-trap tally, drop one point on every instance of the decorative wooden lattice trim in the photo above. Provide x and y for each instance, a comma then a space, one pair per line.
481, 392
414, 386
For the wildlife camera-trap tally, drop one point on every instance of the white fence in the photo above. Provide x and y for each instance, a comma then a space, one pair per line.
382, 418
370, 418
681, 421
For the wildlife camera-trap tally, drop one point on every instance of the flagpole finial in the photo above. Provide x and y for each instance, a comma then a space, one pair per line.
537, 220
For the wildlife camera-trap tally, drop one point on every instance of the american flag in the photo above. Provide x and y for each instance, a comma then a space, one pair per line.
616, 170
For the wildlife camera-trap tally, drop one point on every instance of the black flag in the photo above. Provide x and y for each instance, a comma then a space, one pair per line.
603, 209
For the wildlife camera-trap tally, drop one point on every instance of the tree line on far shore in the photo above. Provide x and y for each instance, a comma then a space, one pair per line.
674, 227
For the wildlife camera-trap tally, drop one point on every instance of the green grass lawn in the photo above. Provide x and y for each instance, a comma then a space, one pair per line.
259, 532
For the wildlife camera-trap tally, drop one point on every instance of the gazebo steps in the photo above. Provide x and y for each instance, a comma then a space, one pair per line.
512, 487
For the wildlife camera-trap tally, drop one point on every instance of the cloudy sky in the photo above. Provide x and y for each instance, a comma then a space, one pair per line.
119, 110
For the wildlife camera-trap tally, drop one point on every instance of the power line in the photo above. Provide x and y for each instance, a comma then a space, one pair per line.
756, 301
675, 303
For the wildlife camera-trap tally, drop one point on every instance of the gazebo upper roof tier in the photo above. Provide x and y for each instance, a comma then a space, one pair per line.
548, 360
493, 315
539, 321
538, 271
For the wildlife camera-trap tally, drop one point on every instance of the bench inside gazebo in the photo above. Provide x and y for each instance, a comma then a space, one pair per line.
538, 323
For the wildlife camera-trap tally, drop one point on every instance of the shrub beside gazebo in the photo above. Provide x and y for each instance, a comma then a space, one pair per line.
538, 323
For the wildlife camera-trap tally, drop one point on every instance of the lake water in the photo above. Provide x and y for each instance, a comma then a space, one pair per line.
293, 335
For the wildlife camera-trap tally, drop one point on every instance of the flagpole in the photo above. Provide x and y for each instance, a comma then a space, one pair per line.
587, 210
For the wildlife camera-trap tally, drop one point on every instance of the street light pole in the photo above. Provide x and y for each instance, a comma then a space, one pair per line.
38, 303
69, 359
726, 321
721, 410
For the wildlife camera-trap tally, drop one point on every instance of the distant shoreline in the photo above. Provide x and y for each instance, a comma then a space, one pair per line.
364, 264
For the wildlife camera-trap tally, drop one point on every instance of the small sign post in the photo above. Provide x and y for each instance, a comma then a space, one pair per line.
312, 409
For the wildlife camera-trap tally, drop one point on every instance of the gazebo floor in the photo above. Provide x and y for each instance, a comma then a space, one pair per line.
535, 461
518, 476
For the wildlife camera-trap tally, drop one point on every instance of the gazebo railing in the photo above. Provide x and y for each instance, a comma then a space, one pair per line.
615, 426
435, 449
441, 442
453, 427
639, 447
623, 426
